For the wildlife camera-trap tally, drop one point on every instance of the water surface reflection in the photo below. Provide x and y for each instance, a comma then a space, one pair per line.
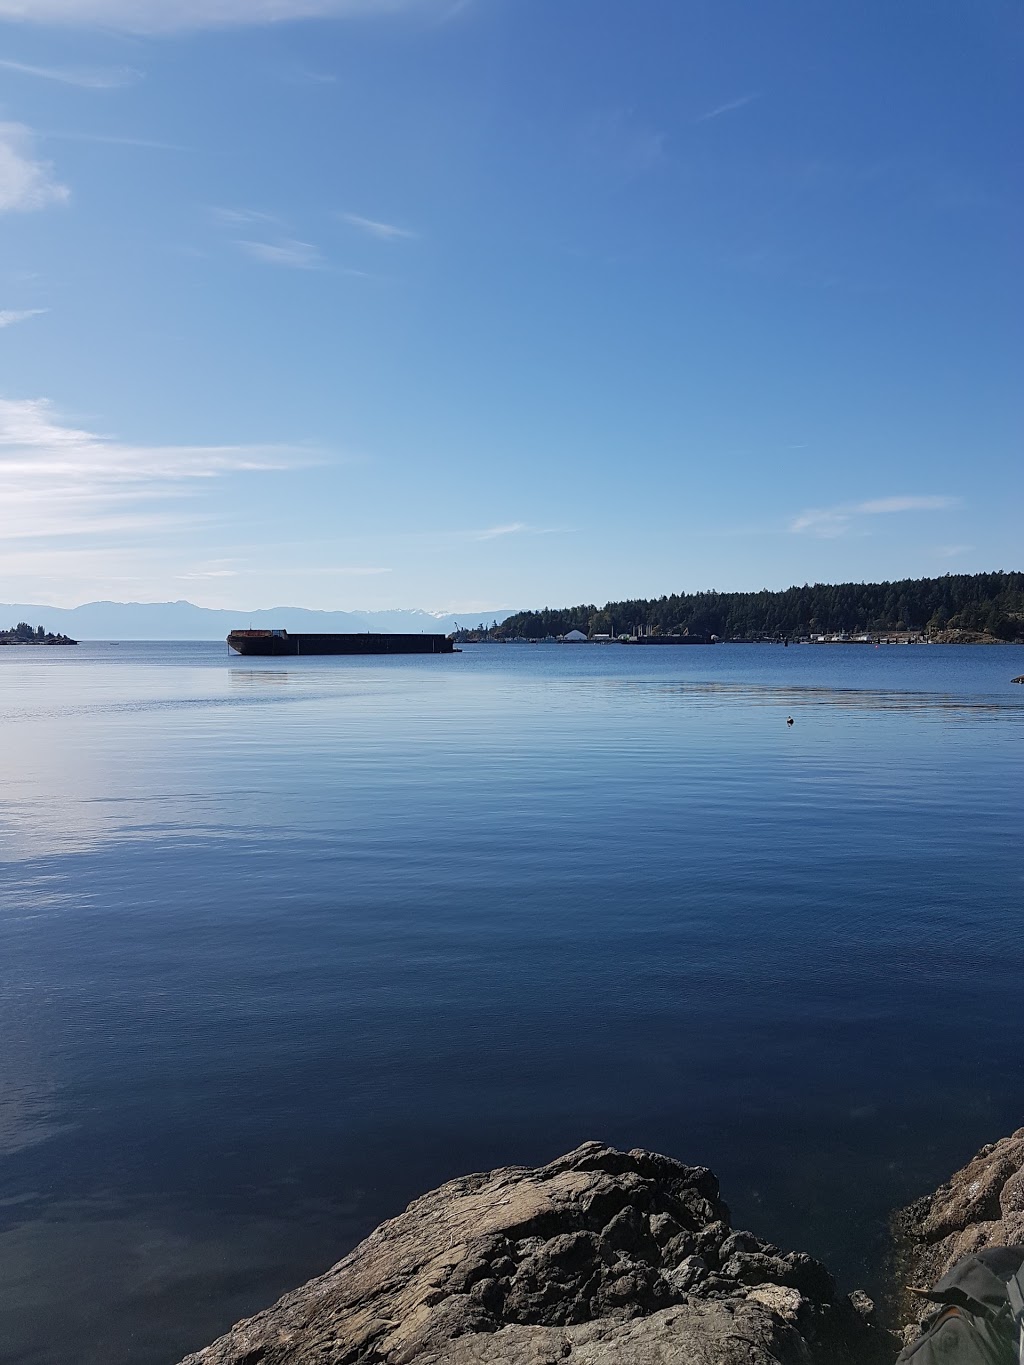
282, 948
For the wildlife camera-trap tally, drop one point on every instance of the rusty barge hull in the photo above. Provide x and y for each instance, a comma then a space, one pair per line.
281, 643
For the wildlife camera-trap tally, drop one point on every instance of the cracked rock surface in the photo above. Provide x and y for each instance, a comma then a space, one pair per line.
602, 1256
981, 1206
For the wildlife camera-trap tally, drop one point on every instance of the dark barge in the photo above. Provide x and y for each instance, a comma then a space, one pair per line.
675, 640
276, 643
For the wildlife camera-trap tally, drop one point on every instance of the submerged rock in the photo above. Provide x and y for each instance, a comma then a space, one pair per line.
602, 1256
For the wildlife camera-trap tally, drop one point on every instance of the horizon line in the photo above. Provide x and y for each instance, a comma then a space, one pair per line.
493, 611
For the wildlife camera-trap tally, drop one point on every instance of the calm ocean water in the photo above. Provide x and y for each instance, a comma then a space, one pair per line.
285, 943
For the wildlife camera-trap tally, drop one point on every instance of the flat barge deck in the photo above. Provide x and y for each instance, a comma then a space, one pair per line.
275, 643
674, 640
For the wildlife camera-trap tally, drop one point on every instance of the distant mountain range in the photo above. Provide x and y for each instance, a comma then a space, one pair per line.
185, 621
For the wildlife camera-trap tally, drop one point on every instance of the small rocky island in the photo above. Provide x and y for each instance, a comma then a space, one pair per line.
606, 1258
24, 634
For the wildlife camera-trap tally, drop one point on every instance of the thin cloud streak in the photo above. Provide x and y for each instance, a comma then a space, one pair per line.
9, 316
114, 78
54, 525
385, 232
728, 108
214, 569
621, 146
330, 570
236, 217
512, 528
292, 255
912, 504
494, 532
304, 75
169, 16
112, 140
831, 522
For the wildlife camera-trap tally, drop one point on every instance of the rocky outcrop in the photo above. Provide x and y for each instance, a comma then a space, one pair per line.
602, 1256
982, 1206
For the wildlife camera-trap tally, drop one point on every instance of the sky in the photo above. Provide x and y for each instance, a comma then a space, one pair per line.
481, 304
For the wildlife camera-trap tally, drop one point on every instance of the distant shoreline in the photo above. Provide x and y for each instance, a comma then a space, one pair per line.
903, 639
961, 608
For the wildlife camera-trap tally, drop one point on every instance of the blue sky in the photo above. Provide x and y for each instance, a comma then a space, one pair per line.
505, 303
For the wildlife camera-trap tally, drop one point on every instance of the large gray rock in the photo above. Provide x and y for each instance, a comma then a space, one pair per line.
981, 1206
603, 1256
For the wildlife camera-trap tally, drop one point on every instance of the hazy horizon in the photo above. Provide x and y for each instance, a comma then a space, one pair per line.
183, 620
414, 609
279, 606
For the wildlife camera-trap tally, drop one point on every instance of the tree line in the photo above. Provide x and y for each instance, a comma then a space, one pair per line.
988, 603
24, 634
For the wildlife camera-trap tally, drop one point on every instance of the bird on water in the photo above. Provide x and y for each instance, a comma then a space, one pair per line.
789, 720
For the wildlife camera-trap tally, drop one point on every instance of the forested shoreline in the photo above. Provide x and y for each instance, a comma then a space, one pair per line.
24, 634
985, 604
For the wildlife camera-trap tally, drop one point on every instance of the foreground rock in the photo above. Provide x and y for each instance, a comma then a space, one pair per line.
602, 1256
983, 1205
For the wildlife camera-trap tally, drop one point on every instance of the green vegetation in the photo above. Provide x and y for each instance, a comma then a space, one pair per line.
989, 604
24, 634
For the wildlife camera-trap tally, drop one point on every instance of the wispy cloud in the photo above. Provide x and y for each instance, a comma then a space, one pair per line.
729, 107
494, 532
354, 570
621, 145
167, 16
57, 480
290, 254
25, 182
113, 140
832, 522
513, 528
927, 503
9, 316
213, 568
238, 217
85, 78
331, 570
306, 75
451, 9
386, 232
951, 551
